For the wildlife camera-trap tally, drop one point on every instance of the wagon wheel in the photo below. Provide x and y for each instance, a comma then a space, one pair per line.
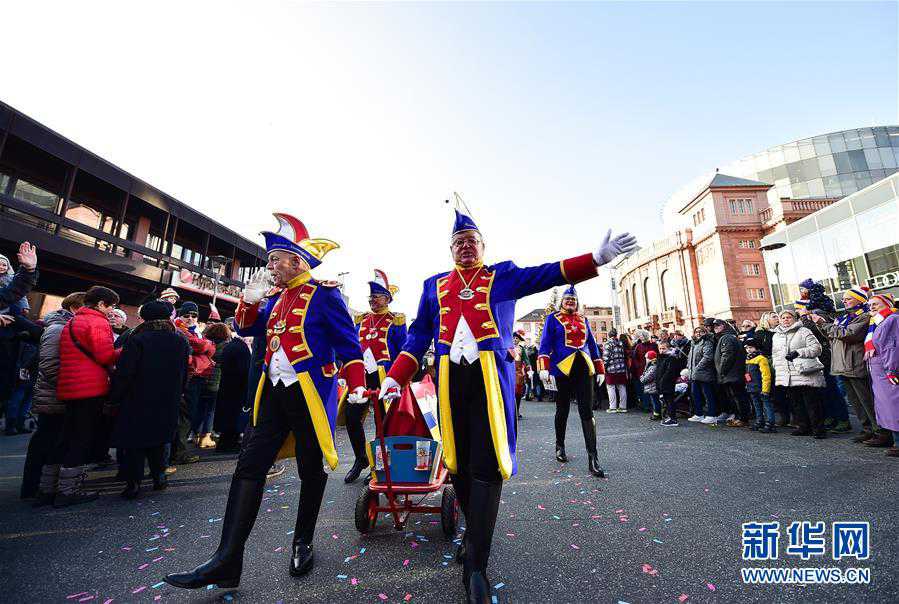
449, 512
366, 515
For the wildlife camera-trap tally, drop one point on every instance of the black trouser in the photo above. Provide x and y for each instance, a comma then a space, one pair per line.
577, 383
282, 410
102, 436
670, 404
43, 449
477, 476
808, 409
80, 426
179, 444
355, 416
133, 463
736, 393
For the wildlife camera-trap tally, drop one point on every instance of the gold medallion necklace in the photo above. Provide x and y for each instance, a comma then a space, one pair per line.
466, 293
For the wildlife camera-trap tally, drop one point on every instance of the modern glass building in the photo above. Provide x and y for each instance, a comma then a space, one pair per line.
853, 241
826, 166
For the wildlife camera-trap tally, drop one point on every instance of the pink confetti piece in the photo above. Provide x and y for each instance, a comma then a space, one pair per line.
407, 597
143, 566
354, 581
649, 570
157, 598
540, 506
382, 596
619, 511
706, 490
573, 546
109, 601
413, 545
86, 598
406, 562
683, 598
334, 536
78, 595
510, 534
139, 589
711, 587
158, 559
641, 529
278, 549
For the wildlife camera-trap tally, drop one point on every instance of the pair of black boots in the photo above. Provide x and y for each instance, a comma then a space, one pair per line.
474, 551
589, 427
226, 565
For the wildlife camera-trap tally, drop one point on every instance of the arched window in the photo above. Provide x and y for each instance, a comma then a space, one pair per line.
634, 298
646, 295
627, 305
664, 291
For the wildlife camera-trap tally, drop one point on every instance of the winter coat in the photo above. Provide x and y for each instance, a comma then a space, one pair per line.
730, 358
648, 379
847, 346
701, 360
120, 337
79, 375
201, 363
759, 371
44, 400
639, 356
215, 376
668, 368
147, 385
795, 338
17, 288
884, 361
763, 338
614, 357
825, 356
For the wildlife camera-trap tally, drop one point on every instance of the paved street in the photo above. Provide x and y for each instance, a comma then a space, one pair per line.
664, 526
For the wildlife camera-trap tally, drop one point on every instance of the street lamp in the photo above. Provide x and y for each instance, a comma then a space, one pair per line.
770, 248
218, 265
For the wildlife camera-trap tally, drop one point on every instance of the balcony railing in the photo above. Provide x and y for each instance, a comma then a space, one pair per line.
49, 220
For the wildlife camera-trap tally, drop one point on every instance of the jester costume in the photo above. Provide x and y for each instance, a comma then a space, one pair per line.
569, 352
381, 337
469, 313
307, 329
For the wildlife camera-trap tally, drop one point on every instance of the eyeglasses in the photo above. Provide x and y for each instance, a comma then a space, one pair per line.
463, 241
191, 315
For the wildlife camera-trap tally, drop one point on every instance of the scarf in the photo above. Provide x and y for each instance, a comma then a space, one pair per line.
850, 315
872, 326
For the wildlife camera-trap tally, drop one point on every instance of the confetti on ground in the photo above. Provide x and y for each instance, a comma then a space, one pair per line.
711, 587
341, 577
139, 589
683, 598
407, 597
499, 586
540, 506
573, 546
406, 562
641, 529
143, 566
382, 596
658, 541
278, 549
649, 570
158, 585
78, 595
354, 581
86, 598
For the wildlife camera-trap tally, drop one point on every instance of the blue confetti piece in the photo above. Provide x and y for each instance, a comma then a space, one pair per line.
499, 586
493, 599
158, 585
658, 541
228, 597
362, 551
210, 587
668, 519
341, 577
447, 556
150, 549
290, 532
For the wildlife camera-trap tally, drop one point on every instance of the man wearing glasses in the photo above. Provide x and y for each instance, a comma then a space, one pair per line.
381, 336
469, 312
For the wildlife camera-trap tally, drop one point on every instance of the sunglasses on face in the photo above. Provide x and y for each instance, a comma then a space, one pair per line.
192, 315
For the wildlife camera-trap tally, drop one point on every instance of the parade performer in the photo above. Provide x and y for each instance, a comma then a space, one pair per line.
569, 353
307, 328
382, 334
469, 312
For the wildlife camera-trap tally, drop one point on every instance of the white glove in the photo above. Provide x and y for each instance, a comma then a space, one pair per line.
612, 248
341, 382
357, 396
390, 390
256, 287
600, 378
544, 375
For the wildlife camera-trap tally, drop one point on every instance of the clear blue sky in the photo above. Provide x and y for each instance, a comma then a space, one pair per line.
555, 120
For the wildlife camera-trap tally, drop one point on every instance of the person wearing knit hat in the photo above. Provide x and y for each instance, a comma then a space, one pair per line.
846, 336
170, 295
648, 382
882, 355
156, 310
120, 331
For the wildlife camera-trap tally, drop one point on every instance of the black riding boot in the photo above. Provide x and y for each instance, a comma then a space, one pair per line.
226, 564
589, 426
463, 492
479, 533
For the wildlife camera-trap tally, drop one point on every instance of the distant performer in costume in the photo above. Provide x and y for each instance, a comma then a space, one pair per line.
307, 329
468, 312
382, 334
569, 353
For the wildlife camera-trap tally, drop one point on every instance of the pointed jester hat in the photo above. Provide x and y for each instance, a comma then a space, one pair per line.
380, 286
570, 292
293, 237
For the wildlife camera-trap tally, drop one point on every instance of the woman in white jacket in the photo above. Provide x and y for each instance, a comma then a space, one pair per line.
795, 351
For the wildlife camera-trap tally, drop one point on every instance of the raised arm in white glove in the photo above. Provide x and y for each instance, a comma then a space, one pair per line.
612, 248
357, 396
544, 375
256, 287
390, 390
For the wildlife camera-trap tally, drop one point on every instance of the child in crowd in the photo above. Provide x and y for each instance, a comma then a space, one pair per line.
668, 368
648, 379
758, 386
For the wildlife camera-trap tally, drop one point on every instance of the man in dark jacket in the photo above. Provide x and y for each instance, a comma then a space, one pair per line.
701, 367
146, 395
730, 363
232, 394
668, 368
40, 476
22, 282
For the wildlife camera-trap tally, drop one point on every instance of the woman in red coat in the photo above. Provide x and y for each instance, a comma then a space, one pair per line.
86, 357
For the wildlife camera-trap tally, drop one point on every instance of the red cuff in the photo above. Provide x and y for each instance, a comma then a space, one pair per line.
404, 368
542, 363
579, 268
598, 366
355, 374
246, 314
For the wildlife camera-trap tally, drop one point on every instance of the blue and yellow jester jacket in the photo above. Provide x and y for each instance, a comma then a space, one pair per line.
384, 334
564, 336
490, 314
311, 322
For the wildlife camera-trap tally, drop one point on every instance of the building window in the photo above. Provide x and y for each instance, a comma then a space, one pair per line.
740, 206
646, 295
699, 217
755, 293
747, 244
752, 270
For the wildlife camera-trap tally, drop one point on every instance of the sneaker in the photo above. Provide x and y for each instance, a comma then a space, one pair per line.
621, 410
723, 417
842, 427
610, 410
731, 416
736, 423
709, 419
695, 418
171, 470
669, 422
276, 470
